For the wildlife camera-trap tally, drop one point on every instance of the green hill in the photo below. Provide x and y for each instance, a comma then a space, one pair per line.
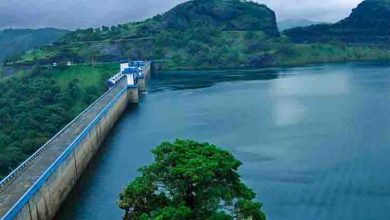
194, 34
209, 34
230, 15
16, 41
367, 24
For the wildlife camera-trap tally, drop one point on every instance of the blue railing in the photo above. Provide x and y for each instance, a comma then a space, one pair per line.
18, 206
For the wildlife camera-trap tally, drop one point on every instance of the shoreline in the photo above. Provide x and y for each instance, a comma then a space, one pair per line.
217, 69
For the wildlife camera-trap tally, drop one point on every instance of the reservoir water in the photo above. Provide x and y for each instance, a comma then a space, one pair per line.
314, 141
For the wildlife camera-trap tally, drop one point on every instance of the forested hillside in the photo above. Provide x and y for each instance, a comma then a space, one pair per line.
35, 106
16, 41
369, 23
202, 34
193, 34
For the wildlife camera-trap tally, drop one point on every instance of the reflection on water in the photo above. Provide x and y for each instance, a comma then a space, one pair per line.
314, 84
288, 112
175, 80
314, 141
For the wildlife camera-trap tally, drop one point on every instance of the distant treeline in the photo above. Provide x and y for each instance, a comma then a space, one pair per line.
16, 41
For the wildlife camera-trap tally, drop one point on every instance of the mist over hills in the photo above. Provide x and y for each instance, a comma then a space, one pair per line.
369, 23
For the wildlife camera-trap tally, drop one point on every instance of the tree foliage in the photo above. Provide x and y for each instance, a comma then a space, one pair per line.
190, 180
34, 107
196, 31
16, 41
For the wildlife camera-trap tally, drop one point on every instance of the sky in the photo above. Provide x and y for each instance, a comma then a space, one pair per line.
73, 14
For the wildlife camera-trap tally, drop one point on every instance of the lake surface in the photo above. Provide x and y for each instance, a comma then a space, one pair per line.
315, 141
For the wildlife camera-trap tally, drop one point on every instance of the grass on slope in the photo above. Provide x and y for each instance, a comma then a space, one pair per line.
87, 75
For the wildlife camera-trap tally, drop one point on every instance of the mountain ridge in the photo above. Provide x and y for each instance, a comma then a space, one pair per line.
230, 15
14, 41
209, 34
197, 27
368, 23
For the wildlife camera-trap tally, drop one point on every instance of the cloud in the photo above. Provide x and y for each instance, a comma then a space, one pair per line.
330, 11
77, 13
74, 14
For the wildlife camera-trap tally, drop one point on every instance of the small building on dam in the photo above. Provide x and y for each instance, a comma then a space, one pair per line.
38, 187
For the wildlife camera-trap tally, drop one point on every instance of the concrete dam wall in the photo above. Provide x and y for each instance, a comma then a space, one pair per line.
37, 189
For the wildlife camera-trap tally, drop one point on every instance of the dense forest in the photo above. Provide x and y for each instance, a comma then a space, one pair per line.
209, 34
16, 41
201, 27
35, 106
367, 24
28, 119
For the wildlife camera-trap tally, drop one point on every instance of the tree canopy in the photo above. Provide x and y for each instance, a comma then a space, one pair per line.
16, 41
36, 105
367, 24
190, 180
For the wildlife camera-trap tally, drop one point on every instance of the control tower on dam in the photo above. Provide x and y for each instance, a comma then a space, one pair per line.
37, 188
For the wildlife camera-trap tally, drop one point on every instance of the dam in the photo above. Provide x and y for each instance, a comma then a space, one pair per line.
37, 188
314, 141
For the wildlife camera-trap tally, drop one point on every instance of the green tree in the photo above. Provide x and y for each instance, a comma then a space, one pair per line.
74, 88
36, 70
177, 59
190, 180
91, 94
249, 35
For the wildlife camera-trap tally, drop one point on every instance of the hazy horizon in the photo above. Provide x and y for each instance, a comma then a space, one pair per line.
73, 14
